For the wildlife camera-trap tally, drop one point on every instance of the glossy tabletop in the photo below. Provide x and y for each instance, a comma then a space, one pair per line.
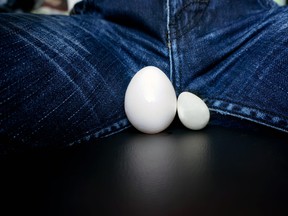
216, 171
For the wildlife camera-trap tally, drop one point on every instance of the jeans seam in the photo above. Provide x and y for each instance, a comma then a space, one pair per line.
114, 128
222, 109
225, 112
169, 44
239, 104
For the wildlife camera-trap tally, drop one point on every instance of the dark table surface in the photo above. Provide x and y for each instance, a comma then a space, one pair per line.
216, 171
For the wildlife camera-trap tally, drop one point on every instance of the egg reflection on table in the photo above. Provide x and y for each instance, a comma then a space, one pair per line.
150, 101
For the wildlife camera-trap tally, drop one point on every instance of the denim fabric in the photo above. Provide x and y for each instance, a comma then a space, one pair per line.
63, 78
234, 55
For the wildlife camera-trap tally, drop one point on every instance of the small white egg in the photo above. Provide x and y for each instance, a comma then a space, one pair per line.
192, 111
150, 101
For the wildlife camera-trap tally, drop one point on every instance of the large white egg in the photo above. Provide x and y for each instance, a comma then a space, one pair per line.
192, 111
150, 101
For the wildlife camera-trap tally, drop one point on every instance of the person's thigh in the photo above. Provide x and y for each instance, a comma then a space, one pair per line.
63, 78
239, 65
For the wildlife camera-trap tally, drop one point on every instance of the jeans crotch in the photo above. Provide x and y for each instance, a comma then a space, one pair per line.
182, 16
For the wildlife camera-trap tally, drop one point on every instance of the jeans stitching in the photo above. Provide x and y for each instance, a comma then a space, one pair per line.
241, 116
222, 108
169, 43
241, 104
116, 127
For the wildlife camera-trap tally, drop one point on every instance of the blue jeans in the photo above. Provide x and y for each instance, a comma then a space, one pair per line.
63, 78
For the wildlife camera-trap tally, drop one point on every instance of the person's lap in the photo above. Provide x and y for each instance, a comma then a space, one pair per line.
63, 79
256, 89
239, 66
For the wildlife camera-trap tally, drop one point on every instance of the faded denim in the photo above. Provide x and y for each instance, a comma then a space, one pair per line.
63, 78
